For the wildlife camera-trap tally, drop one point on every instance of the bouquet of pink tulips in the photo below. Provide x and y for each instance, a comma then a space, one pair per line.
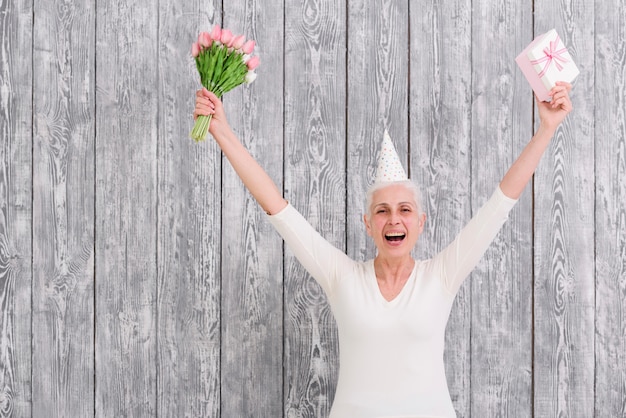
224, 61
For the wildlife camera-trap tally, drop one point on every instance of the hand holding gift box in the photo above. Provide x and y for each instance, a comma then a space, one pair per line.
546, 61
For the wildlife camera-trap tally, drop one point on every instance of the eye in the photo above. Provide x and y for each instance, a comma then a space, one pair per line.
381, 211
406, 209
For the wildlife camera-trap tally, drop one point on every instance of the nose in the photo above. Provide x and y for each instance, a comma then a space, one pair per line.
394, 218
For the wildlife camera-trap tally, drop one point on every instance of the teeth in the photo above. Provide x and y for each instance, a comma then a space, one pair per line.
394, 234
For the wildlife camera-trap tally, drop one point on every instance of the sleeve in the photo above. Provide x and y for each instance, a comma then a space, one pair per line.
459, 258
321, 259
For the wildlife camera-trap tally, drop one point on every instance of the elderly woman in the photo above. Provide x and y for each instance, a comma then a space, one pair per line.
391, 312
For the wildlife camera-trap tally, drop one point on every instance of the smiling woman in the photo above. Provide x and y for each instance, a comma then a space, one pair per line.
395, 221
391, 312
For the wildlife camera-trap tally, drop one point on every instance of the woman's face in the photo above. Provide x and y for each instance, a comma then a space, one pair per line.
395, 223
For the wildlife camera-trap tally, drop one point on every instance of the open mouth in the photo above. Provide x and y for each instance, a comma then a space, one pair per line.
395, 236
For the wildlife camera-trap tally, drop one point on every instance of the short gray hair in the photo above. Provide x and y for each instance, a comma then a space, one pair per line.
409, 184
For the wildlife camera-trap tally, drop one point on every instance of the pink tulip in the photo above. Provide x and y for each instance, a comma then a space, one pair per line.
195, 49
238, 41
216, 33
204, 39
248, 47
227, 37
253, 62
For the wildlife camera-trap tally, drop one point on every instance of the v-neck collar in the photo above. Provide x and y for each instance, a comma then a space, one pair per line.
376, 287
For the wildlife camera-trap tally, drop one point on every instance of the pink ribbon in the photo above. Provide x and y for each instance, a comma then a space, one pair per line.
551, 55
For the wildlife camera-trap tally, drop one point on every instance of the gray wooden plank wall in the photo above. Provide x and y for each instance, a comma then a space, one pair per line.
139, 278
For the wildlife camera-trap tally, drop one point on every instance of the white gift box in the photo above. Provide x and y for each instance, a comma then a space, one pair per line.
546, 61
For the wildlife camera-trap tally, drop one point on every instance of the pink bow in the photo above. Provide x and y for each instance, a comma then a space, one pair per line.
551, 54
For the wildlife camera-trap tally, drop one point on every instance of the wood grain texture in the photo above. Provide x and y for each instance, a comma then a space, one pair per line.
315, 126
440, 100
193, 311
564, 233
63, 209
126, 215
189, 238
610, 210
252, 269
16, 29
501, 285
378, 47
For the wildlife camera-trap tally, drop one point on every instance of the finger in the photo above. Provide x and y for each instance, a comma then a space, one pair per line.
565, 84
197, 113
202, 110
560, 95
213, 97
559, 98
557, 88
563, 103
203, 92
556, 103
565, 106
207, 108
203, 101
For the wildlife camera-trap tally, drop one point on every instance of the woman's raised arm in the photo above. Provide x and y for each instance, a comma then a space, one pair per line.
254, 177
551, 115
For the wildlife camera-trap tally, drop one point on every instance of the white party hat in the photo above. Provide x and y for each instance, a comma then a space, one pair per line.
389, 165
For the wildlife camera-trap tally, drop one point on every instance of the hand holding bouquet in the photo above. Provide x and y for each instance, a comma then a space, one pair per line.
224, 61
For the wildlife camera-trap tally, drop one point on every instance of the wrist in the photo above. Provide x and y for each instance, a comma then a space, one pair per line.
545, 131
222, 133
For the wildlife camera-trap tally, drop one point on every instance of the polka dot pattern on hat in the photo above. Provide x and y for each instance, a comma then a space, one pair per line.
389, 165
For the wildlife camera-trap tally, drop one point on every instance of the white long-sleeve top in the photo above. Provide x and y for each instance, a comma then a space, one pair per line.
391, 352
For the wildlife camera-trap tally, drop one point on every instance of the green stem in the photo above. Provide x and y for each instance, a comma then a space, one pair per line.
200, 128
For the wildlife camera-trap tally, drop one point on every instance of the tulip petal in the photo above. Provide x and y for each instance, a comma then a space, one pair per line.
216, 33
195, 49
248, 47
253, 62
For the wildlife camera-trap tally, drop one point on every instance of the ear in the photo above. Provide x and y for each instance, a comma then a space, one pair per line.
422, 222
367, 225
